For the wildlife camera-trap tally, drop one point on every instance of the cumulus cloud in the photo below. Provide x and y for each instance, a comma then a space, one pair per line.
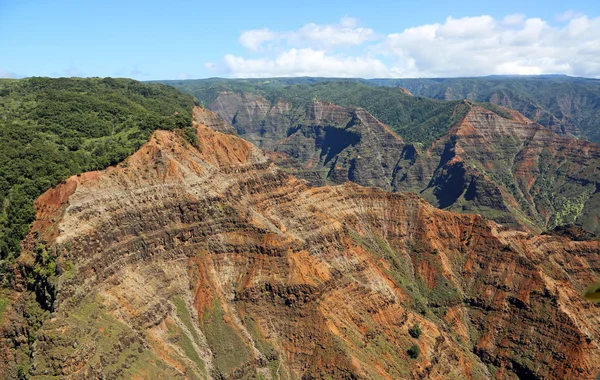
305, 62
568, 15
482, 45
468, 46
253, 39
345, 33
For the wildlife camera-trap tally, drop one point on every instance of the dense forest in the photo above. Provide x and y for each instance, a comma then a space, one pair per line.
51, 129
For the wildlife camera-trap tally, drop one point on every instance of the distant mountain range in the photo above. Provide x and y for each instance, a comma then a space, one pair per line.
566, 105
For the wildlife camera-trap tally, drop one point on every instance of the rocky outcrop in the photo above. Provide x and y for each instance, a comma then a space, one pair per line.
521, 170
212, 121
254, 117
210, 261
498, 164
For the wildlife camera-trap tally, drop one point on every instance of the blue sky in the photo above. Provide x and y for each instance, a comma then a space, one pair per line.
197, 39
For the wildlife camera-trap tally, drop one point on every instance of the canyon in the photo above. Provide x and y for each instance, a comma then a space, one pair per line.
492, 161
215, 259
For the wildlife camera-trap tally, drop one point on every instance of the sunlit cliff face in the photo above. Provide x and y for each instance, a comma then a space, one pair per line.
198, 261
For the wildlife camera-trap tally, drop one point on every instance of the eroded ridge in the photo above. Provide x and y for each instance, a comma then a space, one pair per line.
210, 261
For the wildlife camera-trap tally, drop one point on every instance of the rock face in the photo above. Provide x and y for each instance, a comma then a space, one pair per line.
520, 170
566, 108
212, 120
210, 261
503, 166
566, 105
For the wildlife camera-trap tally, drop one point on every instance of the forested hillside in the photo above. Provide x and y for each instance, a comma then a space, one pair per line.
566, 105
416, 119
51, 129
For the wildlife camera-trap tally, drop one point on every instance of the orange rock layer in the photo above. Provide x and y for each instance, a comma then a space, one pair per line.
211, 261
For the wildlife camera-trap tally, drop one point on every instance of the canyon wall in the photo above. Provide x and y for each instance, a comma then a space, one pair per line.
210, 261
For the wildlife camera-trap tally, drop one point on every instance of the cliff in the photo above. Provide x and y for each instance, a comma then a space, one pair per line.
493, 162
210, 261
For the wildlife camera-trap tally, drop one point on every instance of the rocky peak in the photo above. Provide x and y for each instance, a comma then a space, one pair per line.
405, 91
491, 124
212, 120
329, 114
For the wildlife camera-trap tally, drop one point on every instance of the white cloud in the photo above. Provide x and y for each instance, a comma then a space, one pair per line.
568, 15
345, 33
305, 62
348, 22
482, 46
467, 27
469, 46
514, 19
253, 39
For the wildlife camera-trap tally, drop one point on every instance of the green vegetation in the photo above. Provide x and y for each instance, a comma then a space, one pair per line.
399, 267
414, 351
181, 339
122, 351
496, 109
42, 278
555, 101
184, 314
51, 129
415, 331
568, 210
265, 348
4, 302
416, 119
33, 318
229, 349
558, 102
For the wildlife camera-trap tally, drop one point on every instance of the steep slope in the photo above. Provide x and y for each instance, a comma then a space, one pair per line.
190, 262
212, 120
493, 162
53, 128
415, 119
538, 175
320, 143
566, 105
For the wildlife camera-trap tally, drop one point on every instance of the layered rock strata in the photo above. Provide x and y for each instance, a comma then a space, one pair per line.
504, 167
210, 261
